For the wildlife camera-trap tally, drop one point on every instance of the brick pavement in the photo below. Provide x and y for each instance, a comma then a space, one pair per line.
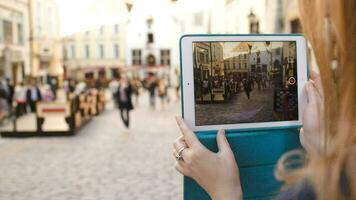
239, 109
102, 162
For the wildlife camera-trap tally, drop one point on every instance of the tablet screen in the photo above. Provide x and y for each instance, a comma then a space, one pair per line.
245, 82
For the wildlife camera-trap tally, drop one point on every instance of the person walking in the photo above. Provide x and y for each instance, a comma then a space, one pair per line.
136, 86
33, 96
151, 86
124, 101
113, 87
247, 87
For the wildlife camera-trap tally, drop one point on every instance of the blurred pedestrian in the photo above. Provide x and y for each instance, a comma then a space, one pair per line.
247, 87
47, 93
33, 95
124, 101
11, 89
178, 84
20, 99
4, 95
53, 86
113, 87
151, 86
163, 91
136, 86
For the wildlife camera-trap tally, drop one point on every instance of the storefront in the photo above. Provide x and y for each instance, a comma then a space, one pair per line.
12, 65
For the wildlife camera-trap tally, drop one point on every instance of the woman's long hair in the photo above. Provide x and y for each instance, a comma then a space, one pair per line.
330, 27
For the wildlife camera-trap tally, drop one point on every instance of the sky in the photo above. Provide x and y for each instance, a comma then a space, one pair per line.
81, 15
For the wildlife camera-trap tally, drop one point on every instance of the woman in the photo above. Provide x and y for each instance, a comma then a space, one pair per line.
123, 97
329, 121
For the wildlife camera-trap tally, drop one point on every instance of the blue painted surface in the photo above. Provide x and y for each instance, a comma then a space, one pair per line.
256, 148
256, 154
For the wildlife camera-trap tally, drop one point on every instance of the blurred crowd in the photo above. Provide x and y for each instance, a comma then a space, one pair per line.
21, 98
126, 93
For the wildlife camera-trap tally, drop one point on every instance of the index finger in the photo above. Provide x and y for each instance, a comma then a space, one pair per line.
188, 134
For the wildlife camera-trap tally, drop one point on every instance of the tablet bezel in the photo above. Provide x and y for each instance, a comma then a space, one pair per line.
187, 80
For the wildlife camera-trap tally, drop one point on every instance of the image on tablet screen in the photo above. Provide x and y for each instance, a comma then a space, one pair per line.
245, 82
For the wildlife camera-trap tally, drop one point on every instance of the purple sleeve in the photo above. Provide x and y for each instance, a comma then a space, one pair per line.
301, 191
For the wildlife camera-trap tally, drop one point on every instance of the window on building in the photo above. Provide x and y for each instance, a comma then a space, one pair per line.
116, 29
264, 68
38, 17
165, 57
150, 38
72, 50
136, 57
8, 32
101, 51
20, 34
65, 52
87, 51
198, 19
245, 65
116, 50
278, 52
253, 68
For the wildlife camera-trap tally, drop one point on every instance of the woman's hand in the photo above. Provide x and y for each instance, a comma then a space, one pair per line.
313, 132
217, 173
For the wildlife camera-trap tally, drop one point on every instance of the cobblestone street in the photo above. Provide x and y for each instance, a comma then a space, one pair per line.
103, 161
239, 109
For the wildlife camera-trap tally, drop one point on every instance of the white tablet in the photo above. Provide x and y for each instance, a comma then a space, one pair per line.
243, 81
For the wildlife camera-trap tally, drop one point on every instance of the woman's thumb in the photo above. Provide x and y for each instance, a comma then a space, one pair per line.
222, 142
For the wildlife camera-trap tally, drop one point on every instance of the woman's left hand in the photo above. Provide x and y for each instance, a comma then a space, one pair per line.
217, 173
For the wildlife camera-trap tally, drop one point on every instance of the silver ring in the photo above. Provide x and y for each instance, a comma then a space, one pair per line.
179, 154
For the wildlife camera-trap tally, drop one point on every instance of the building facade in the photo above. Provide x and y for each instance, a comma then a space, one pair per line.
14, 45
45, 41
282, 16
152, 42
96, 52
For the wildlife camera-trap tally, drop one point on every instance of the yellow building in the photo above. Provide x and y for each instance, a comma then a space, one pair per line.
208, 59
238, 65
201, 59
96, 52
14, 47
46, 45
217, 59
